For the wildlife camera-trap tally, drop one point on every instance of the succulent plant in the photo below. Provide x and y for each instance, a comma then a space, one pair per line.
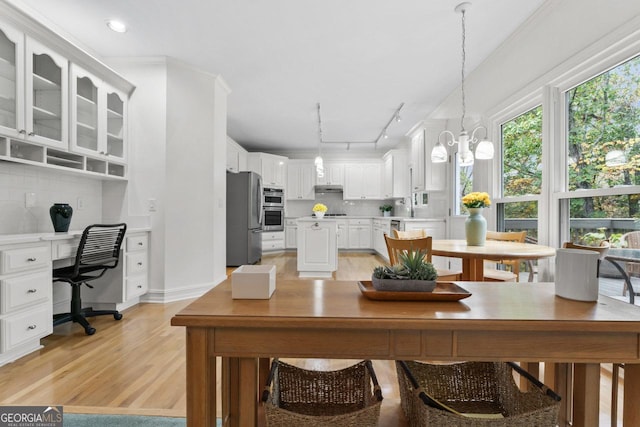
412, 267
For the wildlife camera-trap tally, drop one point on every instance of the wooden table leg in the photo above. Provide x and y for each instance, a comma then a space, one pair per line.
586, 394
201, 380
248, 392
473, 269
558, 377
631, 409
534, 369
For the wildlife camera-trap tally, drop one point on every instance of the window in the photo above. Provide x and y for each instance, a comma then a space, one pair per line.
464, 184
603, 128
603, 156
522, 154
521, 181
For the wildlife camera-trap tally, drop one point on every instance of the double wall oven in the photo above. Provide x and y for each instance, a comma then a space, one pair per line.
273, 209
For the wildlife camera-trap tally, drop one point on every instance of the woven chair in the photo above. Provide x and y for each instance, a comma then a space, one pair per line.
397, 246
493, 274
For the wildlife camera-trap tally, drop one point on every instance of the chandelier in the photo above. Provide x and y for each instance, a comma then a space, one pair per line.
484, 148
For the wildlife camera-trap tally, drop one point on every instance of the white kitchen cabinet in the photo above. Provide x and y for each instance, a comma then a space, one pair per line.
435, 174
33, 90
333, 174
26, 308
272, 241
317, 254
300, 180
271, 168
290, 233
35, 114
417, 161
380, 228
363, 181
343, 233
236, 156
122, 287
395, 183
98, 114
359, 233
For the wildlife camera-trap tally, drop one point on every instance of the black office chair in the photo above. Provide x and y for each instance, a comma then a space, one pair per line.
99, 251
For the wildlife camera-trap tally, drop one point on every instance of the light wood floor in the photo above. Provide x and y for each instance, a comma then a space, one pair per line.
137, 365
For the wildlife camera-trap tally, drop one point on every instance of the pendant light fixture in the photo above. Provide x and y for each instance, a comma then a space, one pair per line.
484, 148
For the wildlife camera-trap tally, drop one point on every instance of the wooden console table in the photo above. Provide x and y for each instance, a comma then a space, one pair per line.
331, 319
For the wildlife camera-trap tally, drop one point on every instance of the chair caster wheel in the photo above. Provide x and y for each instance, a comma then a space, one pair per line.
117, 316
89, 331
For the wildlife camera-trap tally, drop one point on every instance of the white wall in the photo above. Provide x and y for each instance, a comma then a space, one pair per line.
49, 187
178, 125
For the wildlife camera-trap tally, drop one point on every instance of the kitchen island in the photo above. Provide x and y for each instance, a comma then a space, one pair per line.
317, 247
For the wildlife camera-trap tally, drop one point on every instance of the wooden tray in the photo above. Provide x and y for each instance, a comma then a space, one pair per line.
444, 291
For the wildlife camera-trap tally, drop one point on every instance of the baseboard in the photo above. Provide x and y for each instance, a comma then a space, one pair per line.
163, 296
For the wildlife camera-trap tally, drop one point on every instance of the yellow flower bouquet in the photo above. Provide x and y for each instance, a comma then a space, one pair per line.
476, 199
319, 207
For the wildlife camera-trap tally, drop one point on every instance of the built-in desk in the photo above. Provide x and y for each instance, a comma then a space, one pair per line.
27, 300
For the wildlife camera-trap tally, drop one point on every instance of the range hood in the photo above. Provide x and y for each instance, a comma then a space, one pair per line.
328, 188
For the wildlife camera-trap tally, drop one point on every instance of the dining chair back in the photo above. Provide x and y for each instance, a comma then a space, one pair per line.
409, 234
511, 267
397, 246
631, 240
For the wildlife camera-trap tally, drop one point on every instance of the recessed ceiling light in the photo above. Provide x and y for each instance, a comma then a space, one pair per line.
117, 26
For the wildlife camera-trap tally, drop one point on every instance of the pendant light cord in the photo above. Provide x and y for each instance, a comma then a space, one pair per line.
464, 105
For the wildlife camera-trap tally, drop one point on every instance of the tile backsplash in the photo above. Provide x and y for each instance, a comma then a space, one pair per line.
49, 187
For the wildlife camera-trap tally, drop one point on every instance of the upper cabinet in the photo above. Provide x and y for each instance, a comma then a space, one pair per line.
300, 178
417, 161
362, 181
333, 174
236, 156
54, 113
435, 173
425, 175
47, 96
272, 168
97, 117
33, 90
395, 183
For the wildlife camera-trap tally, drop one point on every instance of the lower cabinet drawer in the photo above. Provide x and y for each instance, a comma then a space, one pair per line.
26, 258
136, 263
136, 285
271, 245
26, 326
24, 290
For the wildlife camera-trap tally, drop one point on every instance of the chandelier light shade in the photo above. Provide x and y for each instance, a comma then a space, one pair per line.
484, 147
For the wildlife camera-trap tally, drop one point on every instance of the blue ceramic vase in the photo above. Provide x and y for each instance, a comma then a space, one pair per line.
61, 214
475, 227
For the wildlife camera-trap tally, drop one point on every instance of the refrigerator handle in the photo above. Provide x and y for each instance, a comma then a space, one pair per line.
260, 201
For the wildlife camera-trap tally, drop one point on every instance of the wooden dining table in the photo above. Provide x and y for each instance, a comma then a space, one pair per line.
335, 320
473, 257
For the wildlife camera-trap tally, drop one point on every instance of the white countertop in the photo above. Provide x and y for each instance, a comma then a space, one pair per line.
394, 218
7, 239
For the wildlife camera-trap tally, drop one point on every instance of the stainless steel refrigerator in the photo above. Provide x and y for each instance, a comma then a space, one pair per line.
244, 218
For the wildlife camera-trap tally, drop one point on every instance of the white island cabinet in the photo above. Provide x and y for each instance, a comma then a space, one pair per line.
317, 247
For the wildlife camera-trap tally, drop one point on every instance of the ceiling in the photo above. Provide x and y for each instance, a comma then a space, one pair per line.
360, 59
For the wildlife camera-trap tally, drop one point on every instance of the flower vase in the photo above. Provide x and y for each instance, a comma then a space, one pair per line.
475, 227
318, 214
386, 213
61, 216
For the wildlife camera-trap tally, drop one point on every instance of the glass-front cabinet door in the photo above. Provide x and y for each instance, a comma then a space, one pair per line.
47, 92
116, 124
11, 81
86, 102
